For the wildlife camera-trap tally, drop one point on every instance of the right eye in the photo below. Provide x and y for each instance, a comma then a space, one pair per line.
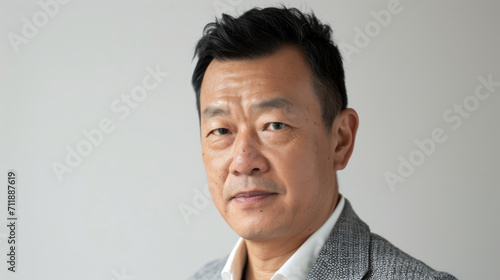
220, 131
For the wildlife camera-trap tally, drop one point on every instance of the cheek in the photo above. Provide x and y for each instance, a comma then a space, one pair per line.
302, 168
214, 193
301, 161
216, 169
216, 174
212, 160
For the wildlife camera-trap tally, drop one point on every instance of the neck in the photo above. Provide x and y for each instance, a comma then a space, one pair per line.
264, 258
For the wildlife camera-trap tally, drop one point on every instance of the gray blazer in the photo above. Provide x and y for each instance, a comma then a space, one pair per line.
352, 252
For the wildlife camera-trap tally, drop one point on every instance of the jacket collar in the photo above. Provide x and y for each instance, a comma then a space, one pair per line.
346, 253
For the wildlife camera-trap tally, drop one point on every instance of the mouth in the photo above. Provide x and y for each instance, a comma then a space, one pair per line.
252, 196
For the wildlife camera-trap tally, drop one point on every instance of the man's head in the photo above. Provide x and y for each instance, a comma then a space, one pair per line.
261, 32
270, 163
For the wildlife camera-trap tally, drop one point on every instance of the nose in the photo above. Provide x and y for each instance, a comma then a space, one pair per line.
247, 157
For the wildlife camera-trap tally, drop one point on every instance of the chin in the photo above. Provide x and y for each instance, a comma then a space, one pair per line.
254, 231
255, 235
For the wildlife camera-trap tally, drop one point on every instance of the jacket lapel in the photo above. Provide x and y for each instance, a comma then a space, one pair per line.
345, 254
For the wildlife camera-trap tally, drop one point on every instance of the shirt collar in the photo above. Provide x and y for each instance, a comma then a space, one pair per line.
298, 265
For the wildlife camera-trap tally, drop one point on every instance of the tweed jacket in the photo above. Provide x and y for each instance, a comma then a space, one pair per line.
352, 252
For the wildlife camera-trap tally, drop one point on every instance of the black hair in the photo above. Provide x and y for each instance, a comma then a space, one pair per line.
261, 32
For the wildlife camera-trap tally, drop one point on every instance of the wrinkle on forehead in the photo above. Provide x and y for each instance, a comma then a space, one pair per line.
244, 83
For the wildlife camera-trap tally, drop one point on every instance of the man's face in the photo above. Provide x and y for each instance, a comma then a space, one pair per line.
268, 157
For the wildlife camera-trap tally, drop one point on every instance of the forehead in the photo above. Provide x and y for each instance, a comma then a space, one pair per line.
285, 73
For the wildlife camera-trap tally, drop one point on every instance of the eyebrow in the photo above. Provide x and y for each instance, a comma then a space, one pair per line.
276, 103
212, 111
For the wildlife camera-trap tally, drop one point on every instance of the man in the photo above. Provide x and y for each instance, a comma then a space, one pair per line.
275, 128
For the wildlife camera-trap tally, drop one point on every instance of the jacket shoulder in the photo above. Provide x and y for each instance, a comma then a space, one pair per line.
389, 262
211, 271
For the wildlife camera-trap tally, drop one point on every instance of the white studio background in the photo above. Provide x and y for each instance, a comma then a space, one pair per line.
116, 213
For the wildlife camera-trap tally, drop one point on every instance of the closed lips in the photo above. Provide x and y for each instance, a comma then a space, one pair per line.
252, 193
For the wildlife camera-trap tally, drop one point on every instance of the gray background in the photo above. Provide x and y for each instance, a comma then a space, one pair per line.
117, 214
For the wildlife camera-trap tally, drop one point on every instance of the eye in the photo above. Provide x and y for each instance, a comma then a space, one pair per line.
276, 126
220, 131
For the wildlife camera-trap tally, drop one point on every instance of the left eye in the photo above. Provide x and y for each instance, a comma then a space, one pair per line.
276, 126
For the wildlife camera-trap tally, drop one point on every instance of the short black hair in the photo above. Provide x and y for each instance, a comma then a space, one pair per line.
261, 32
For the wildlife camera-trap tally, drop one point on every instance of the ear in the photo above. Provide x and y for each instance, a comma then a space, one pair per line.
343, 134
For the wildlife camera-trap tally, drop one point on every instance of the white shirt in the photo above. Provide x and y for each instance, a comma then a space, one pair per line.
298, 265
